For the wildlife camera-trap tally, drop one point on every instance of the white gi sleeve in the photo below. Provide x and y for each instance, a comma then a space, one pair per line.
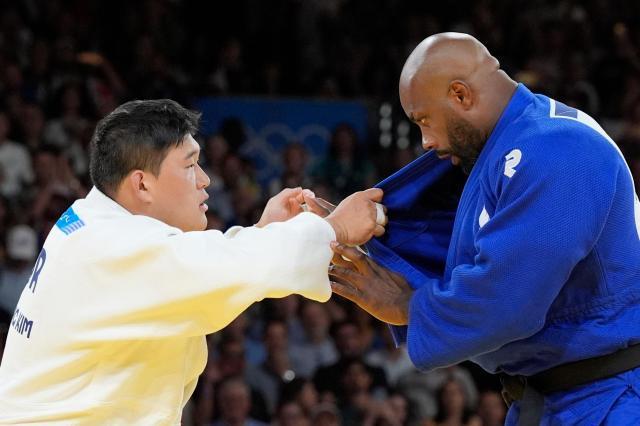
195, 283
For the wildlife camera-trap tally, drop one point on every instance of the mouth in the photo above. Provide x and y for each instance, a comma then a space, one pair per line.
203, 205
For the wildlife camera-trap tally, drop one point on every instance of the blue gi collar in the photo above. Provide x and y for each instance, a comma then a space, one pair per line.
521, 98
422, 199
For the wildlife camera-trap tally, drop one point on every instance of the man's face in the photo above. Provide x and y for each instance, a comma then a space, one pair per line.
178, 192
443, 128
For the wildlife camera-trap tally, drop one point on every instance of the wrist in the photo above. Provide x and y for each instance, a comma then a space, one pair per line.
336, 228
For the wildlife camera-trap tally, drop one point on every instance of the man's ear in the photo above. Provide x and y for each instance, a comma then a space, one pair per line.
460, 95
140, 185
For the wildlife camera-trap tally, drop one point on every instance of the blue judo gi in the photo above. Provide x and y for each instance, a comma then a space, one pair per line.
531, 263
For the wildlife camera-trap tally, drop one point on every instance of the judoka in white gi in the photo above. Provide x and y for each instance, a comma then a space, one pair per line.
110, 327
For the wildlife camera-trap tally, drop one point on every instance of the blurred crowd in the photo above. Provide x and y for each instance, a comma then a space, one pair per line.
65, 64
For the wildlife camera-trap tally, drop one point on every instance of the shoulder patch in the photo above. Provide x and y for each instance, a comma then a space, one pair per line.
69, 222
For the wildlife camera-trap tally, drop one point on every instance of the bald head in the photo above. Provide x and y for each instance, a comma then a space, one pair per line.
451, 83
449, 56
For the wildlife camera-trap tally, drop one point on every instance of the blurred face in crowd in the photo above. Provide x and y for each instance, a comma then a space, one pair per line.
177, 194
217, 149
291, 414
44, 165
326, 417
308, 397
295, 158
356, 378
32, 121
453, 398
344, 141
232, 360
398, 404
235, 402
491, 409
275, 337
315, 320
348, 340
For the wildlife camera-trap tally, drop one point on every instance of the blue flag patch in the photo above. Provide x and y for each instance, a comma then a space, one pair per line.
69, 222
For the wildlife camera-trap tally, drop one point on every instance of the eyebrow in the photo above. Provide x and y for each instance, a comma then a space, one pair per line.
192, 153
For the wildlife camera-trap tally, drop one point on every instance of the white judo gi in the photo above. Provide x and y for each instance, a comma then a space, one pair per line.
110, 327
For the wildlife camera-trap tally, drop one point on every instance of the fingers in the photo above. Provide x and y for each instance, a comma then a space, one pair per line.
378, 231
347, 274
294, 206
342, 261
374, 194
305, 194
351, 254
345, 290
290, 193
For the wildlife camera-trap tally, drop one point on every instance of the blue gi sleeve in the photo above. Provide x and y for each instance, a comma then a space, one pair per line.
548, 215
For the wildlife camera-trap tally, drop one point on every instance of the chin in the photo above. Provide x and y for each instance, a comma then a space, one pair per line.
203, 223
196, 225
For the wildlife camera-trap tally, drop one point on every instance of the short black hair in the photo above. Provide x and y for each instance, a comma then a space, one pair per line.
137, 136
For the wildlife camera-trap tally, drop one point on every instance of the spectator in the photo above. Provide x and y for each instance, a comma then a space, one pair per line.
491, 409
277, 368
290, 414
15, 162
326, 414
393, 360
22, 249
328, 379
294, 159
235, 404
358, 404
229, 364
286, 309
302, 392
317, 348
452, 407
421, 389
345, 168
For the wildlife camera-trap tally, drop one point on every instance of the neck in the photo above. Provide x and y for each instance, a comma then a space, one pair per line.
126, 200
498, 97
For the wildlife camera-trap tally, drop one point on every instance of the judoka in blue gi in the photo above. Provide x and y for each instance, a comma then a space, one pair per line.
530, 268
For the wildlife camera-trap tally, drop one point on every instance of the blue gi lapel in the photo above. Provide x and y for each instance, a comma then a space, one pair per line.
421, 200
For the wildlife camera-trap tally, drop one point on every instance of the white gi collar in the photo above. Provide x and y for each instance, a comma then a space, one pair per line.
102, 202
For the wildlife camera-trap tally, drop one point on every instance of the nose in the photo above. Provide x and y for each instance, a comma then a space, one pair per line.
427, 141
202, 180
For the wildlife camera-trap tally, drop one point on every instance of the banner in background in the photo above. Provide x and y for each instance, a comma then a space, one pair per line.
271, 124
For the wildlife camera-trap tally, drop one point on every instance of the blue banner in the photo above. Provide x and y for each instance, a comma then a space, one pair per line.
271, 124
